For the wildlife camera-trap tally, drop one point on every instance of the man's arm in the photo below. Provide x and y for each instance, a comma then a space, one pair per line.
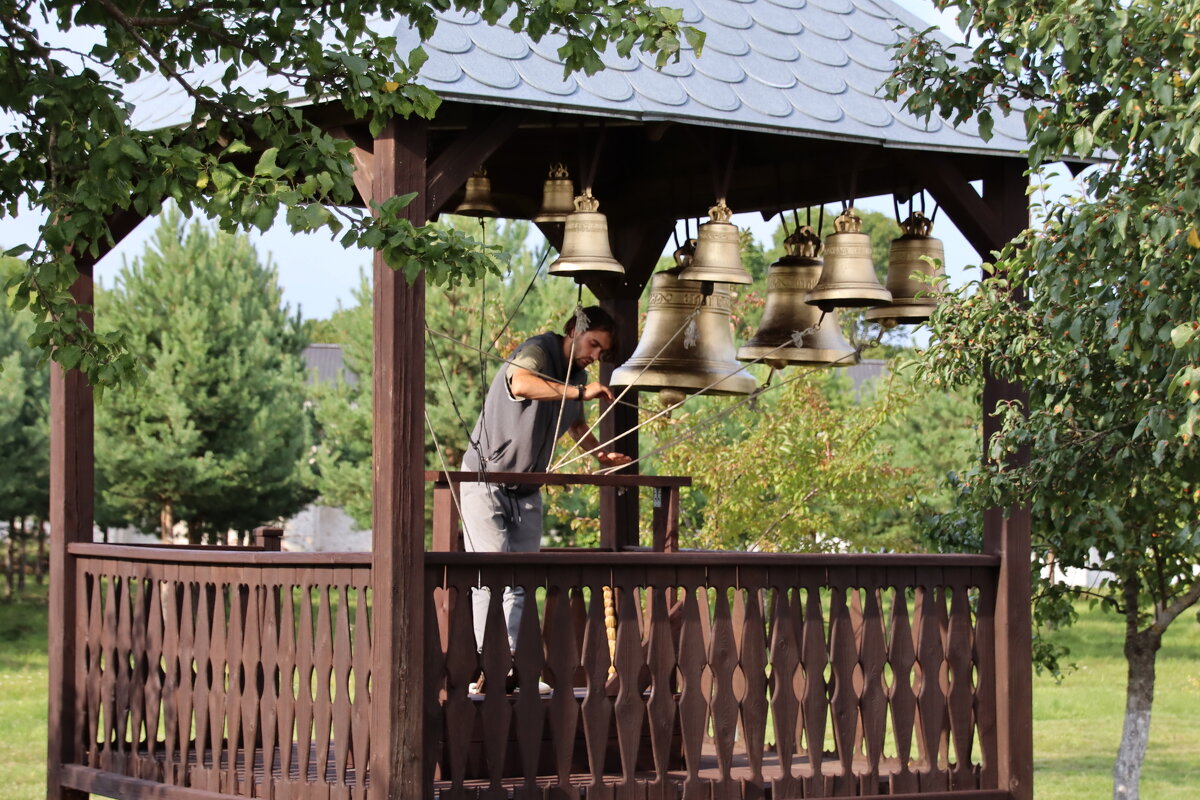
528, 385
579, 431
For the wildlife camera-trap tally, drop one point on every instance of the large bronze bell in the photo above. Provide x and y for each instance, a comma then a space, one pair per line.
477, 200
904, 262
558, 196
585, 246
848, 279
680, 354
793, 332
718, 256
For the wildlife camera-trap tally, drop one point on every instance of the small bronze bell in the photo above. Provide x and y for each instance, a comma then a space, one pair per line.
793, 332
848, 279
585, 246
905, 261
679, 354
558, 196
718, 256
477, 200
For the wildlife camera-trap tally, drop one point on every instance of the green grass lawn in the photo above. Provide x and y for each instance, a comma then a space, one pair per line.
23, 681
1077, 723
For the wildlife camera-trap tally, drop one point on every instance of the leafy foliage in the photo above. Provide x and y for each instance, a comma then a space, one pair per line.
802, 471
215, 434
1098, 310
75, 151
24, 414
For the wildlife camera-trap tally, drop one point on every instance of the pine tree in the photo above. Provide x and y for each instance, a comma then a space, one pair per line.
24, 433
216, 434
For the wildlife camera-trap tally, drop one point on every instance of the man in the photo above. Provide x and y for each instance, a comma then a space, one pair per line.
536, 397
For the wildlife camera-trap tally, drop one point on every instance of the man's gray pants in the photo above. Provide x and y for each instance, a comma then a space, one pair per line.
497, 521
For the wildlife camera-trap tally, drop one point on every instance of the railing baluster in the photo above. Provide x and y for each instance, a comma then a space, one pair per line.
959, 646
661, 704
931, 699
630, 705
562, 653
530, 713
497, 664
843, 699
872, 657
597, 707
785, 704
752, 655
693, 706
814, 657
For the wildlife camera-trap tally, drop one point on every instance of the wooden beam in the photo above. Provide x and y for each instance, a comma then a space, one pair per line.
364, 165
71, 511
1006, 533
979, 221
464, 155
398, 545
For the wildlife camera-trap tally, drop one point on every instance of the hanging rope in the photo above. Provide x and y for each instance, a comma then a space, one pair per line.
532, 281
717, 416
446, 470
554, 467
765, 355
580, 328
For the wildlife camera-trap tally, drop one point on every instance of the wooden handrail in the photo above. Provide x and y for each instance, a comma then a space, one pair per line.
556, 479
446, 523
715, 558
171, 554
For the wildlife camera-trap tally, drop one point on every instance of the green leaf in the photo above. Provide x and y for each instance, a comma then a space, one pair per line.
1182, 334
266, 166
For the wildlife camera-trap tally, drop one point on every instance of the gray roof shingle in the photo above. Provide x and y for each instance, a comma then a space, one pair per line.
800, 67
795, 67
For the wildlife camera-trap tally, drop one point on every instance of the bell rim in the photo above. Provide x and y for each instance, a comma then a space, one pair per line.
711, 275
799, 356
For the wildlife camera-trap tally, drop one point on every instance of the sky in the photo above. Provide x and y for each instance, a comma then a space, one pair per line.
317, 275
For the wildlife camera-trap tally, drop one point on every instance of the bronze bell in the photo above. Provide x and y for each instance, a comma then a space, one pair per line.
848, 279
585, 246
905, 261
586, 241
718, 256
793, 332
477, 201
679, 354
558, 196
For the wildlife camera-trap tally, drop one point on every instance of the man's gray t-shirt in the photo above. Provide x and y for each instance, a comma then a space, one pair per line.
518, 435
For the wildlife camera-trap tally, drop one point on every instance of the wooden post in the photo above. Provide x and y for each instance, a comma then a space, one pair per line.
398, 545
71, 508
269, 538
637, 244
619, 508
1006, 533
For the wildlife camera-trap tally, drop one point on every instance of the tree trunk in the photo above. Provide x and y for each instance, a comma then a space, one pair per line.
1141, 650
8, 558
166, 522
19, 548
38, 570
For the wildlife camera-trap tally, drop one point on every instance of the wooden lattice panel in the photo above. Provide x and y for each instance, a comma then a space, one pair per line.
725, 682
240, 681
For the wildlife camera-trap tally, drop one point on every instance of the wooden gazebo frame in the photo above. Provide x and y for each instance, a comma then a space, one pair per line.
218, 672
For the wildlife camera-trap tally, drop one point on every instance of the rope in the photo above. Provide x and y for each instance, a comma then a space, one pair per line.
668, 410
576, 332
501, 359
691, 318
445, 470
718, 415
532, 281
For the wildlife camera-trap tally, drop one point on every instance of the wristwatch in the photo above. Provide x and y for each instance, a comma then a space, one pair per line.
580, 397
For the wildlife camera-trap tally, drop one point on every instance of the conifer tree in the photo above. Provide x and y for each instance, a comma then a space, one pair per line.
24, 435
216, 434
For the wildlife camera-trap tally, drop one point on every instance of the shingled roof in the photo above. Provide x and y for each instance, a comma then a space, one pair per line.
803, 67
808, 68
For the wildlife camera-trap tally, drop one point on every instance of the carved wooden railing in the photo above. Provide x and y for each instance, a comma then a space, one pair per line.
732, 674
236, 672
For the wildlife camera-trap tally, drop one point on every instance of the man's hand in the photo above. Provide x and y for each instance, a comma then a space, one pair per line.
612, 459
597, 389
